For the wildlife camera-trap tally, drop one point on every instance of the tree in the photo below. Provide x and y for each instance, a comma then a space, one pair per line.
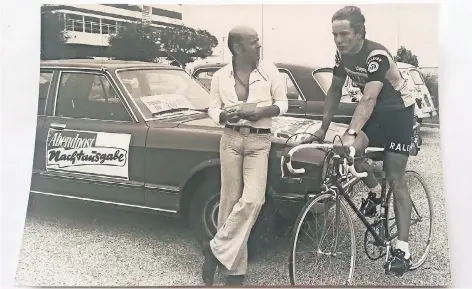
53, 34
186, 44
135, 41
431, 82
404, 55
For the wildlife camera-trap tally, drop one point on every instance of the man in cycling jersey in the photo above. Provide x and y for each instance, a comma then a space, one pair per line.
384, 114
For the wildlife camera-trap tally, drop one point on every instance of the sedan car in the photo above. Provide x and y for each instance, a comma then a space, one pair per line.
138, 135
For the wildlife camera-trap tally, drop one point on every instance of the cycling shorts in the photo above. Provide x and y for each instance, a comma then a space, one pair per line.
392, 130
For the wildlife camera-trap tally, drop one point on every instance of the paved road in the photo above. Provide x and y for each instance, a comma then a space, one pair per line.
66, 243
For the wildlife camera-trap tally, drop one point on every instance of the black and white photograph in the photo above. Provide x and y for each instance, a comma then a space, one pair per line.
237, 145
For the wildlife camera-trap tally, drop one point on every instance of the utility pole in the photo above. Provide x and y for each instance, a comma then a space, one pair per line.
223, 50
263, 44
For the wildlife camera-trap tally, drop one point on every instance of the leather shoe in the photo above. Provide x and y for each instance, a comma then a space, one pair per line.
209, 265
235, 280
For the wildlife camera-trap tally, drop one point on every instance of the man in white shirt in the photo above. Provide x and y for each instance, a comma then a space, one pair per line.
244, 97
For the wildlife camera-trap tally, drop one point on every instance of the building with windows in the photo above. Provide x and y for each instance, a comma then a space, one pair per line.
90, 25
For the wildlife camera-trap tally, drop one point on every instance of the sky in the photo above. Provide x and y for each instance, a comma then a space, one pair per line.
301, 33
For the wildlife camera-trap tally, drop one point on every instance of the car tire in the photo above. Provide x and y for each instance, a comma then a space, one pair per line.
203, 216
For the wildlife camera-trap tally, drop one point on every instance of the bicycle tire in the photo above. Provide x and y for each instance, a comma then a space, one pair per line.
296, 230
420, 261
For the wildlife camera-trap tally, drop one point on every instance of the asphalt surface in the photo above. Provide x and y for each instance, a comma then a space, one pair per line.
69, 243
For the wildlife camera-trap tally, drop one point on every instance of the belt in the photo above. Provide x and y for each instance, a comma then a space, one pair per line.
248, 129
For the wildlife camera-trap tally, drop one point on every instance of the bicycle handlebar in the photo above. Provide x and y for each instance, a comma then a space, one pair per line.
352, 152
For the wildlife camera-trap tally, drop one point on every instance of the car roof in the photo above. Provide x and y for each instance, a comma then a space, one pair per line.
289, 65
404, 65
103, 64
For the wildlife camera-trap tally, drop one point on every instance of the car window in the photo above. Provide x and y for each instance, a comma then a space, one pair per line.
205, 76
292, 92
45, 79
323, 78
416, 77
91, 96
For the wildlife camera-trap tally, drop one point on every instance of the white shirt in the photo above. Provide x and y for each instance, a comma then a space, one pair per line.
266, 88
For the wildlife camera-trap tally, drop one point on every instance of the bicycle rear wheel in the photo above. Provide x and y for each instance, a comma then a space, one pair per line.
421, 224
326, 243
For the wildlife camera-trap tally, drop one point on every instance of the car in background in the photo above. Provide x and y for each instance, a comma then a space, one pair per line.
138, 135
307, 87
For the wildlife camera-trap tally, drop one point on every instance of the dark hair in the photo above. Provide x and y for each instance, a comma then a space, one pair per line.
354, 15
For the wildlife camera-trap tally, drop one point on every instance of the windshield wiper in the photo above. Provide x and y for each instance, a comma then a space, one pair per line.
179, 109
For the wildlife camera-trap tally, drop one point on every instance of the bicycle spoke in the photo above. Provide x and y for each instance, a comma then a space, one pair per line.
325, 260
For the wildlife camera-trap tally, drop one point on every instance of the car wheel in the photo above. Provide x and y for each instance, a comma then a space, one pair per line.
203, 217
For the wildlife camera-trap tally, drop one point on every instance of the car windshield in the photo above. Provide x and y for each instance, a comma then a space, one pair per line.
163, 91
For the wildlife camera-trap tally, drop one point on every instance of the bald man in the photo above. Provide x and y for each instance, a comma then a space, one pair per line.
244, 97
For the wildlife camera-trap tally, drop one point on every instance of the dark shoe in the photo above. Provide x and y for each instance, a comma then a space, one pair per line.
209, 265
397, 264
369, 206
235, 280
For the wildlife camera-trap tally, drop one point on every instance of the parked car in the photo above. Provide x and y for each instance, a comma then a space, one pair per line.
307, 87
138, 135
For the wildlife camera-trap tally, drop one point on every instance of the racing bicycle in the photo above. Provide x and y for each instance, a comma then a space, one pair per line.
334, 241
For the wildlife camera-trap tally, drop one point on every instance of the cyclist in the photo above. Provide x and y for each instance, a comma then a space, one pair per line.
384, 114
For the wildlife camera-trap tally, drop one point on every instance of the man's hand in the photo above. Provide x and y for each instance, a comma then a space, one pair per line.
344, 142
319, 136
231, 116
252, 115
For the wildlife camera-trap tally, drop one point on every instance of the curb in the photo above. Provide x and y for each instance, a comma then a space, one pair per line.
433, 125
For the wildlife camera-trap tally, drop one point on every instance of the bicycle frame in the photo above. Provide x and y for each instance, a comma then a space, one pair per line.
340, 175
337, 179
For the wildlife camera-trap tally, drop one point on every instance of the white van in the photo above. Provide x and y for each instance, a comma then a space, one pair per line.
424, 104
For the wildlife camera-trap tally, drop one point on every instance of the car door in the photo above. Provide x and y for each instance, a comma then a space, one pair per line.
94, 147
46, 85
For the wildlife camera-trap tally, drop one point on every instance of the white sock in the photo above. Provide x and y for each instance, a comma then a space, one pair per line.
402, 245
376, 190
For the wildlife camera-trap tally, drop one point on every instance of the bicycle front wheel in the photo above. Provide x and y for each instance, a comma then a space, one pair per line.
323, 235
421, 223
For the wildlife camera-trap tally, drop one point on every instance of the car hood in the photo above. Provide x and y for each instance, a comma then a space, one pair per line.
283, 127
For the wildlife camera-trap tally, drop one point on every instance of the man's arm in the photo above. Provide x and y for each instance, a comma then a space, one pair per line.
334, 94
377, 67
278, 92
214, 107
333, 98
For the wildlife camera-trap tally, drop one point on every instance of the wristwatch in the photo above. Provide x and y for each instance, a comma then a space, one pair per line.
352, 132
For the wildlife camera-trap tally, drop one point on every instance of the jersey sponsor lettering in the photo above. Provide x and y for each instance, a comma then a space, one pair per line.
374, 63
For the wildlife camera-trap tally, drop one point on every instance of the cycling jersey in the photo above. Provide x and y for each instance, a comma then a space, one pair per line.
375, 63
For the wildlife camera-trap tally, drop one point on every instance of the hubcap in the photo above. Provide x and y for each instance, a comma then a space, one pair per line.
211, 216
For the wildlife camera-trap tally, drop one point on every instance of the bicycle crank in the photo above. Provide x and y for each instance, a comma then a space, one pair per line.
372, 250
